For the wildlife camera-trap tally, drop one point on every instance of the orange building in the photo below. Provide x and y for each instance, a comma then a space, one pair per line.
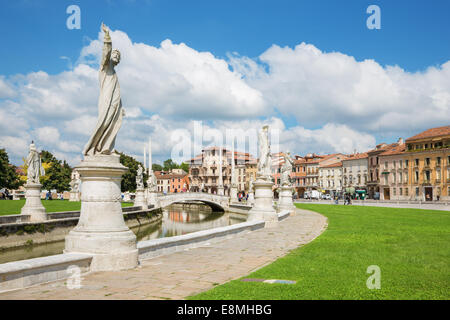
428, 159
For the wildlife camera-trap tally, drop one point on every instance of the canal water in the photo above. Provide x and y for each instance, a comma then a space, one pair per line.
177, 220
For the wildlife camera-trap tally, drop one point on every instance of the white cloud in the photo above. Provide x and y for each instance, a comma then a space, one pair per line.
339, 103
318, 87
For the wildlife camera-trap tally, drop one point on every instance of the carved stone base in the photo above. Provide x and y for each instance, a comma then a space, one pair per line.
152, 199
33, 206
74, 196
285, 200
251, 199
101, 229
263, 207
233, 195
139, 200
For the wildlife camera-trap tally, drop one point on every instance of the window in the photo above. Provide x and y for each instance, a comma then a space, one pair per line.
416, 178
417, 191
400, 191
416, 162
406, 163
427, 161
386, 165
427, 175
438, 161
400, 163
406, 191
394, 191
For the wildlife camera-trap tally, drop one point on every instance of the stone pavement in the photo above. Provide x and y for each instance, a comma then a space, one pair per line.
186, 273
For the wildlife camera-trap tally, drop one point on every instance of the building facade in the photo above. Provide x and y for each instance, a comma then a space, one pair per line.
204, 170
428, 158
355, 171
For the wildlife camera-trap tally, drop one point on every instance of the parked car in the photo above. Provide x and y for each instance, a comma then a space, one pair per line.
326, 196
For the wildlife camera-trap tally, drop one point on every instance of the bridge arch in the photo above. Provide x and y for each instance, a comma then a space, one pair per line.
216, 202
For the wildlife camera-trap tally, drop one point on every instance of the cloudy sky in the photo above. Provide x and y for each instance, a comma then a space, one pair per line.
192, 71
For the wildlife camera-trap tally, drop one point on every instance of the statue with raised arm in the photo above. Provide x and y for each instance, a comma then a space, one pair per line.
265, 159
110, 110
34, 165
286, 170
140, 178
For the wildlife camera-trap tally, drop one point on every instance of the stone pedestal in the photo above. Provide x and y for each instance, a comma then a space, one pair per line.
139, 200
251, 198
285, 200
263, 207
152, 199
101, 229
33, 206
74, 196
233, 194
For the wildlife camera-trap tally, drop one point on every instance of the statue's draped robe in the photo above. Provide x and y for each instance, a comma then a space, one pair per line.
264, 164
109, 108
34, 167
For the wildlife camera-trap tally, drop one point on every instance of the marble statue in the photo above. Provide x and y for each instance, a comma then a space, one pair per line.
286, 170
140, 178
250, 186
75, 185
265, 160
110, 110
34, 165
152, 182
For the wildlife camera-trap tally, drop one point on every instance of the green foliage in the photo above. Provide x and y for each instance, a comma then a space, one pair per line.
157, 167
185, 167
169, 164
57, 175
129, 178
8, 177
409, 245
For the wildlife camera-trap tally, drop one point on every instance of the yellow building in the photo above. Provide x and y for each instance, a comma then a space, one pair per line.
427, 158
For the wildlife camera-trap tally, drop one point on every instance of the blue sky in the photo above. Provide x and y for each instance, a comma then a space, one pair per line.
414, 34
311, 68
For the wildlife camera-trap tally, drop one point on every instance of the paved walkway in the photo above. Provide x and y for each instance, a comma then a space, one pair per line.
186, 273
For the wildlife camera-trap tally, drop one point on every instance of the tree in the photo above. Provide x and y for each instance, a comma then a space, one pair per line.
57, 173
185, 167
8, 177
129, 178
157, 167
169, 165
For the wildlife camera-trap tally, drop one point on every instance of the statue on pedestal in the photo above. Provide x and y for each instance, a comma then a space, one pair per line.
152, 183
110, 110
140, 178
34, 164
286, 170
265, 159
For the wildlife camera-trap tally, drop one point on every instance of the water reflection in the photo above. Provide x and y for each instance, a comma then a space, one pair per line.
176, 221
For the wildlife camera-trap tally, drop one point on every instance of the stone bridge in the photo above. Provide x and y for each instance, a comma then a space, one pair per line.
216, 202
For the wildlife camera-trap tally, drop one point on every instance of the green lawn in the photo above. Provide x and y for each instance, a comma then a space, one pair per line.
13, 206
411, 247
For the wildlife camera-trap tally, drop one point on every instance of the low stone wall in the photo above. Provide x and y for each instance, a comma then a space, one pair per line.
17, 218
241, 209
14, 235
26, 273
